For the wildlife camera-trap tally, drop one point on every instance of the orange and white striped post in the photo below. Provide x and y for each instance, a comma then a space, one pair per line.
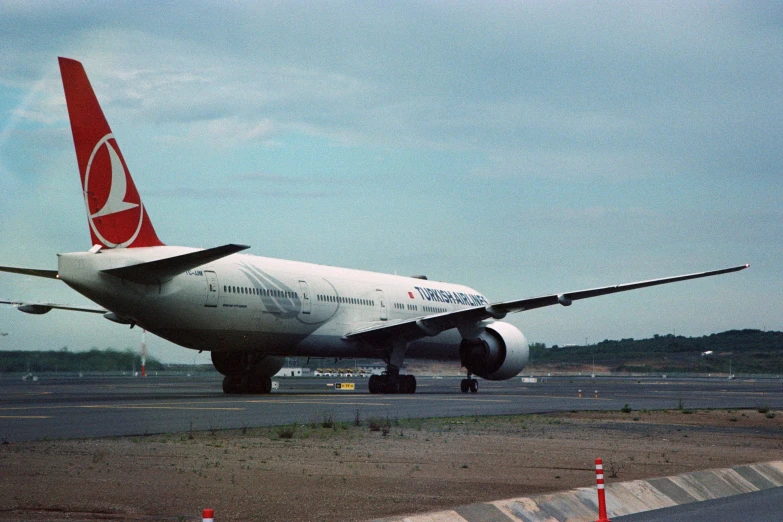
599, 479
208, 515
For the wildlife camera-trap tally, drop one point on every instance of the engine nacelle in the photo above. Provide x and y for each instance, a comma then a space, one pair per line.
35, 309
499, 353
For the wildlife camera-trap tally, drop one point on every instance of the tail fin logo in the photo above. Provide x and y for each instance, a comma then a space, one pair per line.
114, 207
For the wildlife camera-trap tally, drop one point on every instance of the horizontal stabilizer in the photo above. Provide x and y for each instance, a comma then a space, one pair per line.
160, 271
51, 274
42, 308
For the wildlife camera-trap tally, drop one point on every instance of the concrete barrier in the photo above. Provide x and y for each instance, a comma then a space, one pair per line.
622, 498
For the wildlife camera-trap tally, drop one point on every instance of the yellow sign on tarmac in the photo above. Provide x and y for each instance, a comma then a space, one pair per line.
344, 386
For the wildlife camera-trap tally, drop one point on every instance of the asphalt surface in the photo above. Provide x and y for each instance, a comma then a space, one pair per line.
73, 407
759, 506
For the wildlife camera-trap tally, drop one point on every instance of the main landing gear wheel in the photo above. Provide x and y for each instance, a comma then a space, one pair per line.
407, 384
232, 384
240, 384
387, 383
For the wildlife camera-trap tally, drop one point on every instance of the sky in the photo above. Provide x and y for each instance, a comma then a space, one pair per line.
520, 148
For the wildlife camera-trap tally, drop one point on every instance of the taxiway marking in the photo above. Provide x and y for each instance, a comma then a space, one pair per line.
146, 407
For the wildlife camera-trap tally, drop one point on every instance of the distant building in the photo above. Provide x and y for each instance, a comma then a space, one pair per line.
292, 372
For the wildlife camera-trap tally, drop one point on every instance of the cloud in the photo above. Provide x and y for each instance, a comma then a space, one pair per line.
510, 78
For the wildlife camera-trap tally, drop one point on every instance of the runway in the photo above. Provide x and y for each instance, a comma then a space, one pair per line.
67, 408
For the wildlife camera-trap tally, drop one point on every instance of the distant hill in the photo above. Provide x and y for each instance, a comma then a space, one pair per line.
750, 351
64, 361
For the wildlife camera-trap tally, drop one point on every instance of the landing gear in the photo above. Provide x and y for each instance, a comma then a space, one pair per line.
232, 384
246, 372
392, 383
247, 383
469, 384
407, 384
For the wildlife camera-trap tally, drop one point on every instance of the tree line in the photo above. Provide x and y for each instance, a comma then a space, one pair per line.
747, 351
95, 360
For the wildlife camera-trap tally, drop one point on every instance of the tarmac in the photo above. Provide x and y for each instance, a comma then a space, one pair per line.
68, 407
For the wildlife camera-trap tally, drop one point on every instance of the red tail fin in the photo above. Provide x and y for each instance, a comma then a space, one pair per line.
114, 209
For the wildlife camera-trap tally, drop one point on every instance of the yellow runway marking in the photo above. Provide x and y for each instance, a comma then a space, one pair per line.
459, 398
27, 394
587, 397
25, 417
332, 401
144, 407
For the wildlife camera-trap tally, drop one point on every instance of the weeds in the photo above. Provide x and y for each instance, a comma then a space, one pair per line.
382, 425
614, 468
286, 432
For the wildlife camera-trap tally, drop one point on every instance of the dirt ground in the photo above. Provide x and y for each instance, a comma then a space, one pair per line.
332, 471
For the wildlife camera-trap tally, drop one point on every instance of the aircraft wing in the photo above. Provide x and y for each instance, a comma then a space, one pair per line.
432, 325
42, 308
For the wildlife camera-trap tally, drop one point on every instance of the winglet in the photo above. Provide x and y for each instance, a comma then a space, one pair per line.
115, 212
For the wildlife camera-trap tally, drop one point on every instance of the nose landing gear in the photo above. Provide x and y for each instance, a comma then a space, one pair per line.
469, 384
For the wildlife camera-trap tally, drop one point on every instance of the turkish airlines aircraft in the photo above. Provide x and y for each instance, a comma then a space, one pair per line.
251, 312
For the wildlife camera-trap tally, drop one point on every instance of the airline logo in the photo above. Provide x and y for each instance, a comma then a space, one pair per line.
114, 210
114, 207
444, 296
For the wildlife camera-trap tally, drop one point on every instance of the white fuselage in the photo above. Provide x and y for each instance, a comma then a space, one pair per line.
279, 307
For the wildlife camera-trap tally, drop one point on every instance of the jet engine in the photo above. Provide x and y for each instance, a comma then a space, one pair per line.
499, 353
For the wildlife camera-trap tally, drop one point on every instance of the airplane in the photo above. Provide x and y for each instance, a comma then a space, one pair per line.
251, 312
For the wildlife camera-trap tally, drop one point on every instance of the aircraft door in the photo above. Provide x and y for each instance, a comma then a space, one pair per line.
306, 304
212, 288
384, 313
